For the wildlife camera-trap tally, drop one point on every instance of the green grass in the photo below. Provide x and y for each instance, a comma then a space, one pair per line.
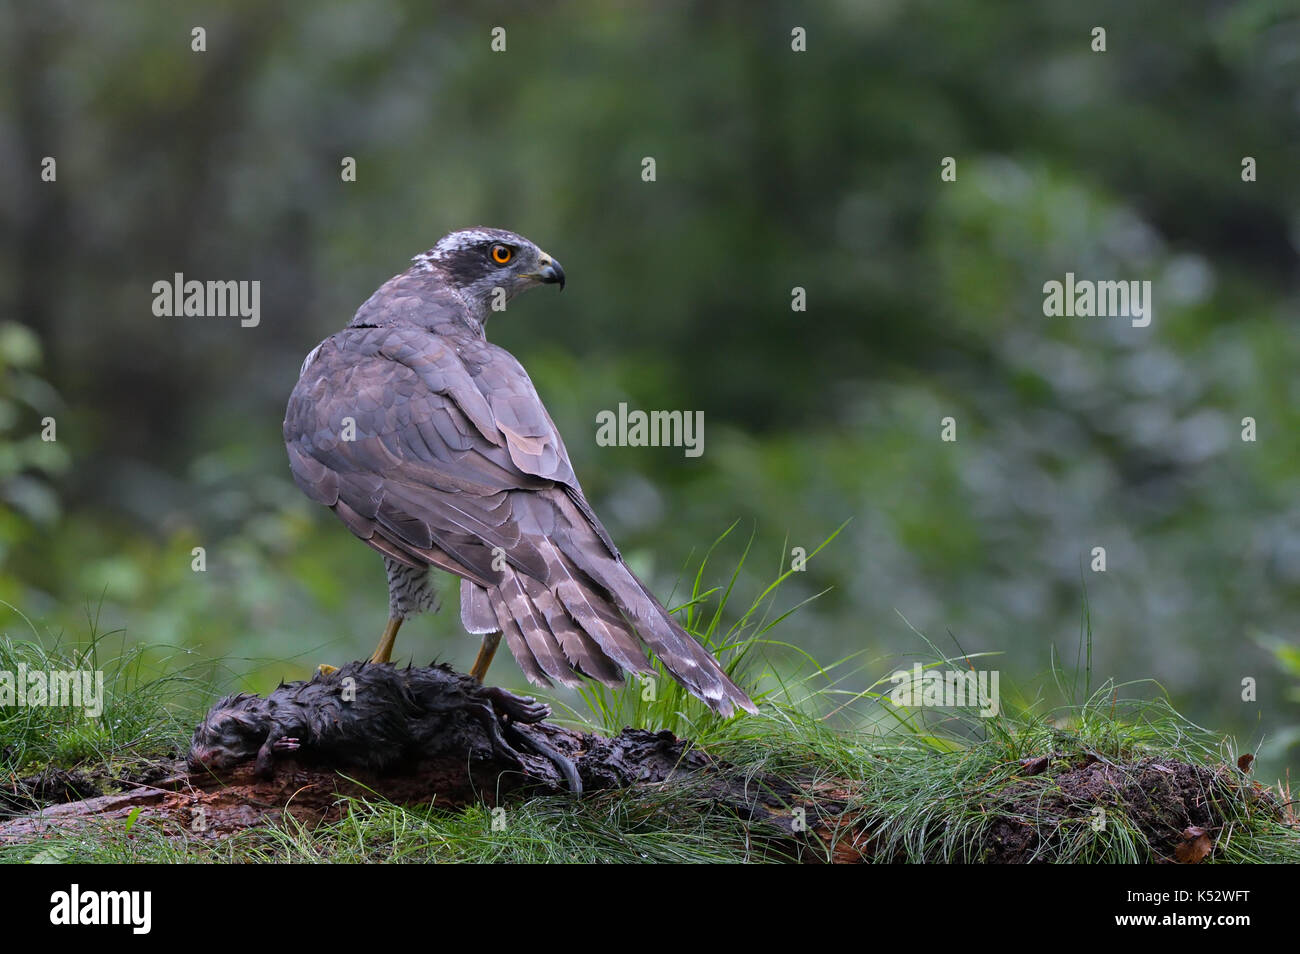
150, 701
928, 784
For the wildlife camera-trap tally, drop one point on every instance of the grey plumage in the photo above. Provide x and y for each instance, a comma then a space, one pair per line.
410, 589
455, 463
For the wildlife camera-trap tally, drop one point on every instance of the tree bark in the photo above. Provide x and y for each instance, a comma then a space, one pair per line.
206, 805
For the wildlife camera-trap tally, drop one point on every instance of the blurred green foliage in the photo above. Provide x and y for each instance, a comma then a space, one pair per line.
774, 169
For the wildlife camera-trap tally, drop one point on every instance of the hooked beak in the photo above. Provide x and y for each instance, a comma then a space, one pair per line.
550, 272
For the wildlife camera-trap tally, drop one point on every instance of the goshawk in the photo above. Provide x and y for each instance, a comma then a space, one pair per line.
432, 446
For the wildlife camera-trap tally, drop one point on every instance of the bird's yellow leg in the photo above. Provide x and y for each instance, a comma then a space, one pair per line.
485, 653
385, 648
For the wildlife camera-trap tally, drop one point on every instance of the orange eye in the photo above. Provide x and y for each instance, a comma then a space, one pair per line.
501, 254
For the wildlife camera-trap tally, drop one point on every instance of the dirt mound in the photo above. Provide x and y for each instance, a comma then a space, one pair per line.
1176, 807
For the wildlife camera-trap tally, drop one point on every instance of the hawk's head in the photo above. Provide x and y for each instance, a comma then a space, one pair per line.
477, 262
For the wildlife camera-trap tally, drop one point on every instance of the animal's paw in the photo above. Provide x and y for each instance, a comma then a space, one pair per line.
286, 745
523, 709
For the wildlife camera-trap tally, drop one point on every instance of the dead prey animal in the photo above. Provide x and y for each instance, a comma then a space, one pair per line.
373, 716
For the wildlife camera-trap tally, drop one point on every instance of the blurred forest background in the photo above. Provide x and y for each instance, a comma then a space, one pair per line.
775, 169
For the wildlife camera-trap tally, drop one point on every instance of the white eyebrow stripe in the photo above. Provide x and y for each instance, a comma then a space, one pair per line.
455, 242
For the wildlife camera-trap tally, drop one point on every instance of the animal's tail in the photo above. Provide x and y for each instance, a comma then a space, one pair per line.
591, 616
